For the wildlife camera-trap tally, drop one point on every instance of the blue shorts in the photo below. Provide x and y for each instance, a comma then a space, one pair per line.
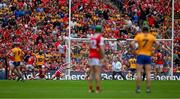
16, 64
144, 59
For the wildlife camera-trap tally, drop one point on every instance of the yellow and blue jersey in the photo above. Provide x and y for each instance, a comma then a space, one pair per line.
145, 43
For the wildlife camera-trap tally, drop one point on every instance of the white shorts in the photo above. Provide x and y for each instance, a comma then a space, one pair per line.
29, 67
159, 65
11, 63
94, 62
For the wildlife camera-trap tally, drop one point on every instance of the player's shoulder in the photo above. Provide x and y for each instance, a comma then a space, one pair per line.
96, 35
151, 36
20, 49
138, 35
14, 49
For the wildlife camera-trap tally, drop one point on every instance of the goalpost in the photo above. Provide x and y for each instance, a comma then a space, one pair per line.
87, 39
172, 38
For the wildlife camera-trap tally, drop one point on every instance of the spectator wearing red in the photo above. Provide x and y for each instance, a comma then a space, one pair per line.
151, 20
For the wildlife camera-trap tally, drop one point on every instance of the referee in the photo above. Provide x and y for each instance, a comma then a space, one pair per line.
117, 68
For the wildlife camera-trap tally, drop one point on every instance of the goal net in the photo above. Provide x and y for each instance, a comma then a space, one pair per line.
119, 50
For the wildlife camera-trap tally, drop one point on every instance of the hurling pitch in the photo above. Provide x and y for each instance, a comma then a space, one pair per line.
68, 89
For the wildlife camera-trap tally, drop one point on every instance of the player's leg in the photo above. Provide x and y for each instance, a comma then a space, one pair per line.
140, 62
23, 71
11, 70
18, 66
148, 76
120, 73
32, 71
148, 73
161, 69
98, 78
87, 73
138, 79
129, 73
53, 76
20, 75
90, 80
16, 72
113, 75
36, 70
156, 71
143, 73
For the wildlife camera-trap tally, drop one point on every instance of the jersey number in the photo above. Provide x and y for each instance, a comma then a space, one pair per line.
18, 53
145, 42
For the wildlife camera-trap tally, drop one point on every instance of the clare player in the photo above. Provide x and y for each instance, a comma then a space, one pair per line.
96, 54
132, 67
18, 54
145, 41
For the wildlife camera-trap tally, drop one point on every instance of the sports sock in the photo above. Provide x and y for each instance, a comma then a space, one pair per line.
97, 88
90, 87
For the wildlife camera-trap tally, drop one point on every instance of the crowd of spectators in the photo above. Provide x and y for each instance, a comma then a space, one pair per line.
123, 21
42, 25
177, 44
36, 24
177, 36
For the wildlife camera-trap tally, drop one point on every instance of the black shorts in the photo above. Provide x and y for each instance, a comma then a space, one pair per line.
38, 66
16, 64
132, 70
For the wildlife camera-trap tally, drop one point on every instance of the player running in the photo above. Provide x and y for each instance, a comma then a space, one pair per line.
96, 53
145, 42
40, 59
11, 65
17, 53
39, 64
29, 58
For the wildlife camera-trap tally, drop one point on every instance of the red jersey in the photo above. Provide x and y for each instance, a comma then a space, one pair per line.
95, 42
56, 44
58, 73
11, 57
42, 73
30, 60
159, 58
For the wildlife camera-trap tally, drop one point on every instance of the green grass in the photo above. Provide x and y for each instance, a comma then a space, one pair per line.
78, 89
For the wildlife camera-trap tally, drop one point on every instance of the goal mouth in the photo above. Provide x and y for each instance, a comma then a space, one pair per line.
121, 50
